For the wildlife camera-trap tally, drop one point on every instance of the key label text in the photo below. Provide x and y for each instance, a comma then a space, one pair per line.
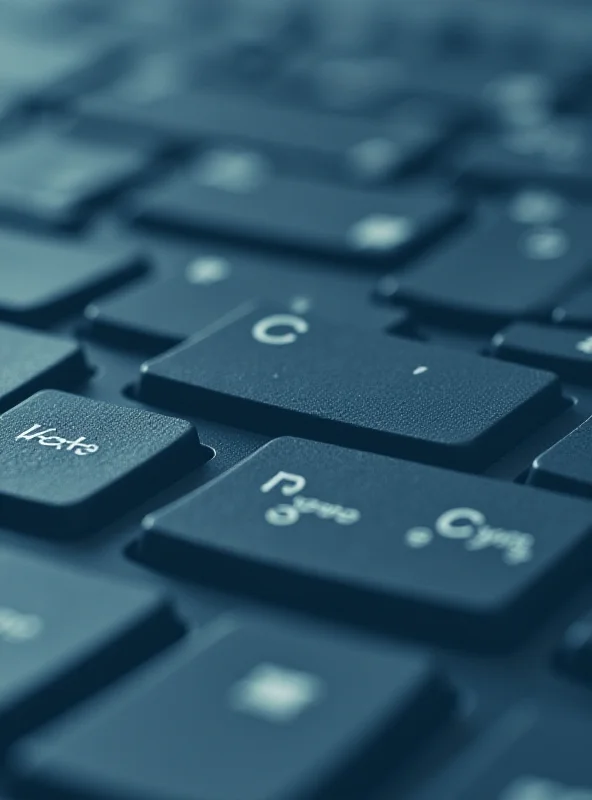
46, 438
285, 514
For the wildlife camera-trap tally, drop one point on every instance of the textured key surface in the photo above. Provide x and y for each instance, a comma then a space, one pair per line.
63, 631
566, 466
70, 462
42, 279
400, 544
31, 361
248, 709
305, 376
567, 352
235, 194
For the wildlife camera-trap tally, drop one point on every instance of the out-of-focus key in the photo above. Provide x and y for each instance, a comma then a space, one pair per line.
273, 370
574, 655
42, 279
568, 352
64, 633
71, 464
400, 545
575, 310
250, 709
236, 194
31, 361
566, 466
52, 181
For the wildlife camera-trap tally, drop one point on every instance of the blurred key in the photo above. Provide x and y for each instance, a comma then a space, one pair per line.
246, 709
72, 464
502, 268
566, 352
576, 310
395, 544
31, 361
273, 370
159, 315
65, 632
43, 279
574, 655
566, 466
51, 181
237, 195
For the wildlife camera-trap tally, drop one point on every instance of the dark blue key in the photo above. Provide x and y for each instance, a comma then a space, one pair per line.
366, 538
576, 310
574, 655
246, 709
566, 466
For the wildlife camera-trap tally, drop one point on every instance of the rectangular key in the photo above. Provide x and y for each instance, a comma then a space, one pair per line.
566, 467
42, 279
159, 315
235, 194
391, 543
568, 352
575, 310
64, 633
510, 265
285, 373
71, 464
31, 361
246, 709
51, 180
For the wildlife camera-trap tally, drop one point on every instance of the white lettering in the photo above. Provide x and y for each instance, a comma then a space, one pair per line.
44, 438
263, 331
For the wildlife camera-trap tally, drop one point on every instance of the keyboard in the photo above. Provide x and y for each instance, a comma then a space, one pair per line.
295, 400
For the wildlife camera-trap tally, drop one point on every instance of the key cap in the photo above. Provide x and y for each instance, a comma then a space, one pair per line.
44, 279
158, 316
51, 181
532, 754
574, 655
32, 361
556, 154
235, 194
64, 633
72, 463
501, 269
389, 543
261, 710
290, 374
566, 352
565, 466
575, 310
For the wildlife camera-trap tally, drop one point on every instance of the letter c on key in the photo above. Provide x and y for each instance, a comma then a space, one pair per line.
450, 524
263, 330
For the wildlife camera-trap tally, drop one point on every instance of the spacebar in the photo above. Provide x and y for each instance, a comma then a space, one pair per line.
285, 374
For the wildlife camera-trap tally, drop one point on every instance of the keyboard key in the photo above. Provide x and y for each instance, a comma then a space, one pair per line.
235, 194
72, 463
576, 310
556, 154
247, 709
532, 755
51, 181
158, 316
32, 361
566, 352
574, 655
289, 374
327, 144
392, 543
566, 466
501, 269
44, 279
64, 633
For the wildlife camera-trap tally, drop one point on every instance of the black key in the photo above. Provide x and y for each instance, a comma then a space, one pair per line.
32, 361
326, 143
576, 310
72, 463
235, 194
567, 352
501, 269
557, 154
43, 279
51, 180
247, 709
64, 633
391, 543
289, 374
566, 466
574, 655
531, 755
159, 315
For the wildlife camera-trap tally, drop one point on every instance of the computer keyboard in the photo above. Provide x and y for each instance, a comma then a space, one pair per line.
295, 396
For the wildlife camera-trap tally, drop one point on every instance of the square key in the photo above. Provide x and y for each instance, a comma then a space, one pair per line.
68, 463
